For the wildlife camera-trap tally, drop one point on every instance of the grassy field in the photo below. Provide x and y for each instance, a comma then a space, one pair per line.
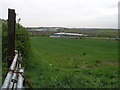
72, 63
97, 32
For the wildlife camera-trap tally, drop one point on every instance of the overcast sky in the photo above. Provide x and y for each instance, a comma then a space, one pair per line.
65, 13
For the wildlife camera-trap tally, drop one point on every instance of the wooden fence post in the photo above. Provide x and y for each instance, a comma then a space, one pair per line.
11, 35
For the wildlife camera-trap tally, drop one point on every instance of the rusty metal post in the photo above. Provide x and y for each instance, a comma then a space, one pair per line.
11, 35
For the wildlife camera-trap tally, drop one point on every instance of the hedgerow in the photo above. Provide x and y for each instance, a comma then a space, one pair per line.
21, 40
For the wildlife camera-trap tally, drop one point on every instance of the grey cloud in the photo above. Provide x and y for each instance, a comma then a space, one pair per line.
70, 13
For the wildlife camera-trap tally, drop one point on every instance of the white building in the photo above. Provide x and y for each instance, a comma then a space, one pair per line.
69, 34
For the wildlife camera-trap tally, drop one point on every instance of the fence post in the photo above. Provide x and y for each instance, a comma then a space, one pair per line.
11, 35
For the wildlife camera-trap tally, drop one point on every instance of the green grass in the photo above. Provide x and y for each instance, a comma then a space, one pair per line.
72, 63
0, 70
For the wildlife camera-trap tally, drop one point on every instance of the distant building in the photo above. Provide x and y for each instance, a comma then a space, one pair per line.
69, 34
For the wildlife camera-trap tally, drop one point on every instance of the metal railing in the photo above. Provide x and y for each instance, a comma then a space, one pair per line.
14, 78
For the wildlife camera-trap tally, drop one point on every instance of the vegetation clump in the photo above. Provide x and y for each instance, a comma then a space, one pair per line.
21, 43
21, 39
